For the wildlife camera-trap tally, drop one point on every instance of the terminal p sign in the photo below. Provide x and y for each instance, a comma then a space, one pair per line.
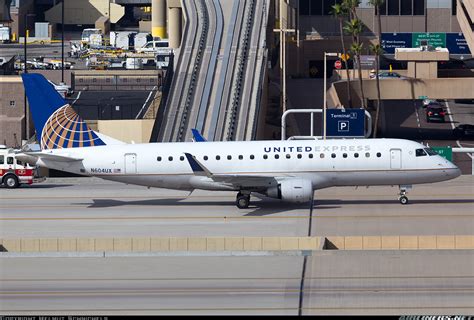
345, 123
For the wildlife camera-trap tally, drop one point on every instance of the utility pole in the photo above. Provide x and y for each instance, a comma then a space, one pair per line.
25, 70
283, 31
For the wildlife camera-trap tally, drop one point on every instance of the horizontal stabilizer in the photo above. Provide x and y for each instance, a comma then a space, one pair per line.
51, 157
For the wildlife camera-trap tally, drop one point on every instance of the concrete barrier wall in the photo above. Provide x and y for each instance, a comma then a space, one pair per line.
399, 242
146, 244
164, 244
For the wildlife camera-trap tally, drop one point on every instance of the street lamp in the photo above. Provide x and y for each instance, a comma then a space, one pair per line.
326, 54
25, 70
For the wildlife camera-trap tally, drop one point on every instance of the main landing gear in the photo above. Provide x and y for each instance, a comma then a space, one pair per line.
242, 200
402, 195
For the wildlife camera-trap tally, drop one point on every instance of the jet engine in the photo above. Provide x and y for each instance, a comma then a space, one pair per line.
292, 190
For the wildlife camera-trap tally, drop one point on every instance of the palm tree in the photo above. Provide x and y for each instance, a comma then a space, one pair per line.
351, 5
378, 51
354, 27
340, 12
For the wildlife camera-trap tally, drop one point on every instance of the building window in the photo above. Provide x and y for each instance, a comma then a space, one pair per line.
418, 8
454, 7
393, 7
327, 7
316, 8
304, 7
406, 7
12, 103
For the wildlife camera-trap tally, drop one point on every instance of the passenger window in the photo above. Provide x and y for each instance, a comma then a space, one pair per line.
2, 159
229, 157
310, 156
344, 155
9, 160
277, 156
158, 159
333, 155
379, 154
356, 155
299, 156
252, 157
420, 153
367, 154
321, 155
205, 158
241, 157
170, 158
218, 157
181, 158
265, 157
288, 156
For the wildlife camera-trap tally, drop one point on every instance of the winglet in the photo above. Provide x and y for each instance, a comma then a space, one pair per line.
197, 167
197, 136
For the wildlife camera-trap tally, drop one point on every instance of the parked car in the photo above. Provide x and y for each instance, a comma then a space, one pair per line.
464, 130
387, 75
62, 88
435, 113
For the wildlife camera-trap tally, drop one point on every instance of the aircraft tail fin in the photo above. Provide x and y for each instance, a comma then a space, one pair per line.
56, 123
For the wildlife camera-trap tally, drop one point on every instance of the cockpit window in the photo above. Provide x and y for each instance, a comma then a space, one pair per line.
420, 153
431, 152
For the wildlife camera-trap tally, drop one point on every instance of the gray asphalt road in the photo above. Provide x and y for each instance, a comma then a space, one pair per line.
96, 208
417, 282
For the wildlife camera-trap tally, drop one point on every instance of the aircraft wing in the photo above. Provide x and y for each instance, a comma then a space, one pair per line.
237, 180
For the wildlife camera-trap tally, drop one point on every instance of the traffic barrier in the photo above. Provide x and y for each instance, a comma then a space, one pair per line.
201, 244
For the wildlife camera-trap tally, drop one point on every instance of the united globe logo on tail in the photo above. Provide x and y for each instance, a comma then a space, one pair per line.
65, 129
57, 124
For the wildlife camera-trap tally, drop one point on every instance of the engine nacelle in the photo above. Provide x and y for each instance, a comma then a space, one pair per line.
292, 190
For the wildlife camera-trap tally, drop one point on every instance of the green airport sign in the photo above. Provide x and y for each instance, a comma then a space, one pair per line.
446, 152
435, 39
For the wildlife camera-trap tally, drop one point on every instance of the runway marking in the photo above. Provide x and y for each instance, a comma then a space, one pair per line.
231, 290
269, 216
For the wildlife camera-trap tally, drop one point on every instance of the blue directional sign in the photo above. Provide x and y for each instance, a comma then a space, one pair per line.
345, 123
390, 41
456, 43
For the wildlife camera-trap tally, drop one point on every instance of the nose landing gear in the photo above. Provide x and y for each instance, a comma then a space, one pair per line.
242, 200
402, 195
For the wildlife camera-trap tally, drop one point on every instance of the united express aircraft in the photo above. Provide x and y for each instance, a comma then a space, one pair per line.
288, 170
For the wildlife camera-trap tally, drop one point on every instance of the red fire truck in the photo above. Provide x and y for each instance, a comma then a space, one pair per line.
13, 172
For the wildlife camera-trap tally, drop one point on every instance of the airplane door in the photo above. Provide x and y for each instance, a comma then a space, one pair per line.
130, 163
395, 158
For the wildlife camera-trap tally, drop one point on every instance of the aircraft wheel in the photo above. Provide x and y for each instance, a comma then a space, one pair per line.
242, 201
403, 200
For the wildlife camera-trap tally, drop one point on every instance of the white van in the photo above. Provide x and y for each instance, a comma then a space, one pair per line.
154, 46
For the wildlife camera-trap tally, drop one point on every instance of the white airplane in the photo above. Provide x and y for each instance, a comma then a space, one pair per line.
288, 170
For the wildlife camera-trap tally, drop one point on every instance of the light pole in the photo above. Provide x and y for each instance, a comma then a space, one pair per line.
326, 54
25, 70
62, 41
